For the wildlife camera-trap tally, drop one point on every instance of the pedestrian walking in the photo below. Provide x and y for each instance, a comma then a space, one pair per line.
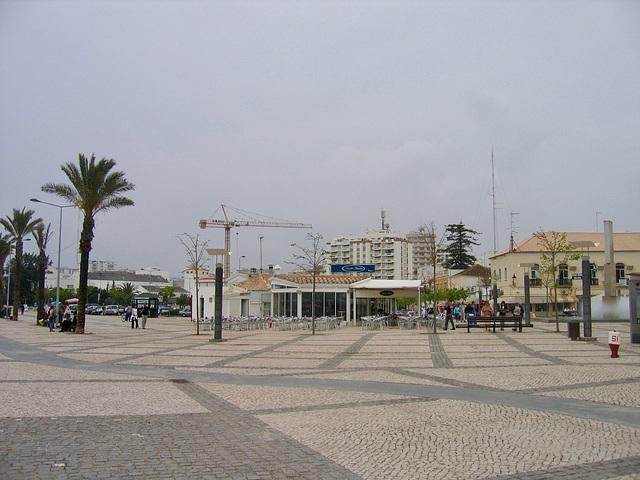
145, 315
134, 317
52, 318
448, 317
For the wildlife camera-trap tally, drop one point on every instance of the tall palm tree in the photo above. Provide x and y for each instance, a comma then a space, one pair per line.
94, 188
5, 250
127, 290
41, 235
20, 225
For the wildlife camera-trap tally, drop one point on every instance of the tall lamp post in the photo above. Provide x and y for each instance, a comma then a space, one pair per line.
527, 291
8, 281
59, 249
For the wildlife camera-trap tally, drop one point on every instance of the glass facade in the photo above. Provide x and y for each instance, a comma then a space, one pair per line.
285, 304
327, 304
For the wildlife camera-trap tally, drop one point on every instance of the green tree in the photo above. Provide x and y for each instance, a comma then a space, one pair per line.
125, 293
5, 251
41, 235
167, 294
29, 278
94, 188
460, 240
556, 251
183, 300
452, 295
20, 225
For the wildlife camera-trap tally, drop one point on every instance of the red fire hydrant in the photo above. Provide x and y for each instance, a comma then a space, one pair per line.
614, 343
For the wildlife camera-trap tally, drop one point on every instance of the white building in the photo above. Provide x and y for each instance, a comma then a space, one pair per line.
390, 253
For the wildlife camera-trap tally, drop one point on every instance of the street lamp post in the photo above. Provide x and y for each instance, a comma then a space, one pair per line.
261, 254
59, 250
8, 282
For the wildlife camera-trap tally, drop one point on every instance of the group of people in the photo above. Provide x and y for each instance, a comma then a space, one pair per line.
467, 311
131, 315
66, 319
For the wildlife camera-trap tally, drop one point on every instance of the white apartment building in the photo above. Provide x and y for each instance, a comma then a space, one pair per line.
104, 266
391, 253
422, 243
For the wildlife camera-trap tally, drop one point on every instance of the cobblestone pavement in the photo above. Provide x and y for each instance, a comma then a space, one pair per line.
165, 403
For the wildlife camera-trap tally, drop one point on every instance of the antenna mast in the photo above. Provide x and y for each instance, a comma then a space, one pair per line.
385, 226
493, 195
512, 243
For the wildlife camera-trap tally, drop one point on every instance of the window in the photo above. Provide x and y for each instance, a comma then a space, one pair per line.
620, 277
285, 304
593, 270
535, 271
563, 275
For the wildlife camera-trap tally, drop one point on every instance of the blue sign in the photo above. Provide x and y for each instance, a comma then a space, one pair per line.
386, 293
353, 268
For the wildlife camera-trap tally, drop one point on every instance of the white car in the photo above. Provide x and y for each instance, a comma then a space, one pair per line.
111, 310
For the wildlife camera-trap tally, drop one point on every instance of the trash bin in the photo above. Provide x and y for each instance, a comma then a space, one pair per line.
573, 327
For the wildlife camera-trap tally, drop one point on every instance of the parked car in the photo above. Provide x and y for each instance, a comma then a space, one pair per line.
97, 310
164, 310
112, 310
90, 307
185, 312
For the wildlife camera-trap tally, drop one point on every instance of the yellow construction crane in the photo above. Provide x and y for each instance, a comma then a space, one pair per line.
227, 224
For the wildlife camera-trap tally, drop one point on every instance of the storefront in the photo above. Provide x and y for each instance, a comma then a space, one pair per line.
379, 297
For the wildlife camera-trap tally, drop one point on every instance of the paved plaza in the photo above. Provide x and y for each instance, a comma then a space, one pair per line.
165, 403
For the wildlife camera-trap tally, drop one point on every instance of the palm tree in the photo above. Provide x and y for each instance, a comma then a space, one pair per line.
42, 235
94, 188
21, 224
5, 250
128, 290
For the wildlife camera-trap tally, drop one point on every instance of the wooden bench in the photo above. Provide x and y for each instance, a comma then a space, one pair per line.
493, 322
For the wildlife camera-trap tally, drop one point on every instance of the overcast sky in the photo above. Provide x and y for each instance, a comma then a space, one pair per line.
323, 113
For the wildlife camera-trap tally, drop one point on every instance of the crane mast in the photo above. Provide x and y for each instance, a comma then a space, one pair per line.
228, 224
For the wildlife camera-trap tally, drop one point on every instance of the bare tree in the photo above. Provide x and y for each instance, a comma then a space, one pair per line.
556, 251
196, 251
434, 251
311, 260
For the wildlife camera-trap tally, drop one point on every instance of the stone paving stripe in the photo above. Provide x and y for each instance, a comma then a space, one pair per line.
578, 386
334, 406
530, 351
587, 471
438, 355
444, 380
353, 349
270, 348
